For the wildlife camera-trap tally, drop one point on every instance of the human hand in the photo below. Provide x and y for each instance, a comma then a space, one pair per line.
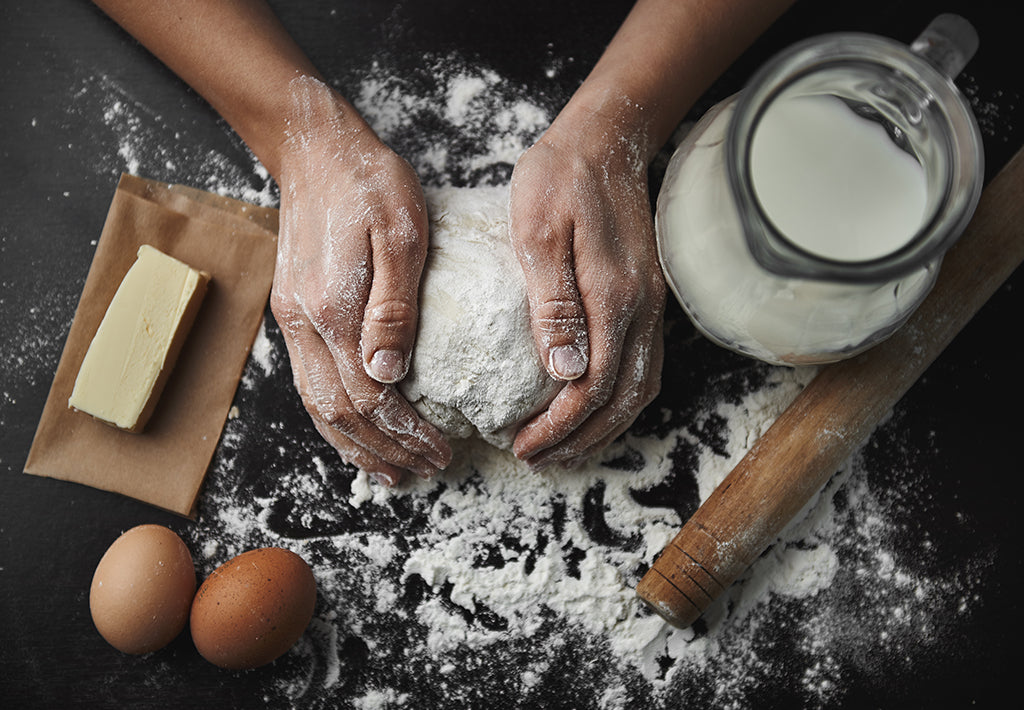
581, 225
352, 244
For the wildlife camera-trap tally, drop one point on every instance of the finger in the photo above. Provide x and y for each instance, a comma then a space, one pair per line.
352, 454
609, 323
575, 403
637, 384
389, 321
557, 317
347, 395
384, 407
329, 404
625, 374
577, 400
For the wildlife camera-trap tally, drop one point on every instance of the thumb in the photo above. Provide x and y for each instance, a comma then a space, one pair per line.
557, 317
560, 331
391, 315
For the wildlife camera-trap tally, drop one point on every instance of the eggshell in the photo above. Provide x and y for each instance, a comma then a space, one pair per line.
253, 608
142, 589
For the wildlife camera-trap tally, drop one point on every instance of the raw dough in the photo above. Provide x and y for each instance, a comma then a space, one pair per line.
475, 369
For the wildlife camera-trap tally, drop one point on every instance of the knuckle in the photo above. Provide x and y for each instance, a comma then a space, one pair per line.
367, 407
384, 410
631, 285
560, 315
599, 391
533, 235
334, 415
321, 316
635, 400
629, 293
391, 313
290, 318
401, 235
392, 163
614, 295
282, 305
639, 393
329, 316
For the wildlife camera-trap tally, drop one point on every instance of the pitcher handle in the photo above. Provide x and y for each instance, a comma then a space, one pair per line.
948, 42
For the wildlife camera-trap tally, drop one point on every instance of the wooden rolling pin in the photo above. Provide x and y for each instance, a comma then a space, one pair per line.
834, 414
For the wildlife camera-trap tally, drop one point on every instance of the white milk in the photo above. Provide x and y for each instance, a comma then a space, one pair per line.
730, 297
833, 182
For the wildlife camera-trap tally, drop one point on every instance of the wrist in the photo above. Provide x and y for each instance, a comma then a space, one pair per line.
261, 118
605, 120
314, 114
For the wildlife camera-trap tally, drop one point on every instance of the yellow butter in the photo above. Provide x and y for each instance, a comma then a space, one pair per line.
138, 340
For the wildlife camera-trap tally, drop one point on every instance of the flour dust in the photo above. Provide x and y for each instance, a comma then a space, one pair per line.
497, 586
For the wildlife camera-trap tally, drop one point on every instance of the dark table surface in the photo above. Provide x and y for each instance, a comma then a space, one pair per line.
80, 102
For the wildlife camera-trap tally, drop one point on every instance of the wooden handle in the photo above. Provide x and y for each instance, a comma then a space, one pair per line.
834, 414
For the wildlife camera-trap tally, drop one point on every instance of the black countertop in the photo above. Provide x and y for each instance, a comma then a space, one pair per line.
923, 609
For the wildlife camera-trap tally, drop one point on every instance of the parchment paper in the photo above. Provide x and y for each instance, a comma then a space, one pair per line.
235, 243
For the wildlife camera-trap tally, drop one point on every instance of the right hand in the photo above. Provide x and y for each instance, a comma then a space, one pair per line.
581, 226
352, 244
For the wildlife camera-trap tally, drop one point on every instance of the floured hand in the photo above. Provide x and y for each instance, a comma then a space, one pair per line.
353, 229
581, 225
353, 241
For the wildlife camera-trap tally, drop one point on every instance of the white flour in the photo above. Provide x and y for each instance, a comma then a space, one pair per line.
492, 558
493, 583
145, 145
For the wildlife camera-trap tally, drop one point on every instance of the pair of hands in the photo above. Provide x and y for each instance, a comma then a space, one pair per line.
353, 241
354, 227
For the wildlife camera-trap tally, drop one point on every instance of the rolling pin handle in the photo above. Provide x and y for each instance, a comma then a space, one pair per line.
680, 585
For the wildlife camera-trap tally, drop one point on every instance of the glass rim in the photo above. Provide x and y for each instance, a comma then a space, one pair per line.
776, 252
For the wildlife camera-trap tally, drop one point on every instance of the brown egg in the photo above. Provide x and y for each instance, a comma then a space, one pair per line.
253, 608
142, 589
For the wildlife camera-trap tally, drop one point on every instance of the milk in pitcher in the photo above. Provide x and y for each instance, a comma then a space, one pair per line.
803, 220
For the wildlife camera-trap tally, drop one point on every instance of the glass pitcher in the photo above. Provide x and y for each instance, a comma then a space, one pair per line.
803, 220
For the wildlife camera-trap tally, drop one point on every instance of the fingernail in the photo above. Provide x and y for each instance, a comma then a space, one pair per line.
387, 366
522, 453
382, 479
437, 455
425, 472
567, 361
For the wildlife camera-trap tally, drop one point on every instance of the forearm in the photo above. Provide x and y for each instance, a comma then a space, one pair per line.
235, 53
664, 56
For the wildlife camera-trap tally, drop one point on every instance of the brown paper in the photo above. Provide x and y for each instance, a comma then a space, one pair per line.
235, 243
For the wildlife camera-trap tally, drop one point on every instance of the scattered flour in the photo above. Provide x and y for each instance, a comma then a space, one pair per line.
496, 584
495, 562
144, 144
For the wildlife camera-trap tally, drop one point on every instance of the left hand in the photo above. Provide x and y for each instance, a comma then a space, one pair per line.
581, 226
352, 245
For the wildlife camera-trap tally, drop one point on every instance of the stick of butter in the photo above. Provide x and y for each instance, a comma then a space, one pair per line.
138, 341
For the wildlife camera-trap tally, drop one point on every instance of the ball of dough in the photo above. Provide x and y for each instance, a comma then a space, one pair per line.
475, 369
